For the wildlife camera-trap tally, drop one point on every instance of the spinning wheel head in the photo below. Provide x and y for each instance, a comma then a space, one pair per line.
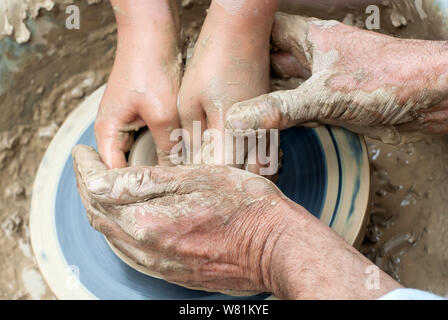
326, 170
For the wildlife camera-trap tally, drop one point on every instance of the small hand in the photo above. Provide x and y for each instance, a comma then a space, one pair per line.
144, 83
373, 84
230, 64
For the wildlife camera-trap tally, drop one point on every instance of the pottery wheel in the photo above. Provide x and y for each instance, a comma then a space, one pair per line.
325, 169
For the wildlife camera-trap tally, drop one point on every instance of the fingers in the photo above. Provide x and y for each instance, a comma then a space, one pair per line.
290, 34
120, 186
161, 122
270, 111
192, 118
114, 125
112, 142
286, 65
87, 163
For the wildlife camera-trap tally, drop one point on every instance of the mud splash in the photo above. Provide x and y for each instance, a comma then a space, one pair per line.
14, 13
408, 226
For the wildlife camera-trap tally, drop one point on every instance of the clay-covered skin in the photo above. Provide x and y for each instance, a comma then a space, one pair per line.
387, 88
223, 229
144, 82
230, 64
199, 226
417, 266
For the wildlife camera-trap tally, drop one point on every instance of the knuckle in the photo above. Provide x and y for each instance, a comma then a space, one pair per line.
101, 127
150, 262
162, 119
145, 235
99, 184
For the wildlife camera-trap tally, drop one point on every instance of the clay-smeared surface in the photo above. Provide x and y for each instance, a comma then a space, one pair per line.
409, 220
42, 81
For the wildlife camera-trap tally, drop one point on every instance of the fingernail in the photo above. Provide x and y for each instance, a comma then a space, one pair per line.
99, 185
237, 120
239, 124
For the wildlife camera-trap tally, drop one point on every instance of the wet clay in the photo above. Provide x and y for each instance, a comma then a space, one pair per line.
43, 81
408, 227
13, 14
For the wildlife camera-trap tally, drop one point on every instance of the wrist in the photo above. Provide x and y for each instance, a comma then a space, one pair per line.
275, 248
148, 33
153, 25
439, 65
277, 258
244, 35
310, 261
242, 17
142, 14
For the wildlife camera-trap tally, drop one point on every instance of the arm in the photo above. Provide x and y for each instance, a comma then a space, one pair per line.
387, 88
310, 261
151, 27
221, 229
244, 16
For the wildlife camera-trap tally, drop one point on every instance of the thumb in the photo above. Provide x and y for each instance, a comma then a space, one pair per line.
112, 142
290, 35
310, 102
119, 186
269, 111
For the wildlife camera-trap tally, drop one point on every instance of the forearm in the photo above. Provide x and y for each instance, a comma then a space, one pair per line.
425, 67
148, 39
310, 261
152, 25
144, 14
237, 32
241, 18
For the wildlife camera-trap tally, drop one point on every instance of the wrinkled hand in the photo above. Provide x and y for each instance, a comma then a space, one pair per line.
203, 227
373, 84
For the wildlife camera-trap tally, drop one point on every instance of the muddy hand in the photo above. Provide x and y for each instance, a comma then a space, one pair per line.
145, 79
207, 227
230, 64
381, 86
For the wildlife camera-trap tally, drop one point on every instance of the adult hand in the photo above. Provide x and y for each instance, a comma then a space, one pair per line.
143, 86
373, 84
220, 228
202, 227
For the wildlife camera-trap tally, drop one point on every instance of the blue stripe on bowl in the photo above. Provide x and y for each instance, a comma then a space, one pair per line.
303, 175
357, 152
341, 178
